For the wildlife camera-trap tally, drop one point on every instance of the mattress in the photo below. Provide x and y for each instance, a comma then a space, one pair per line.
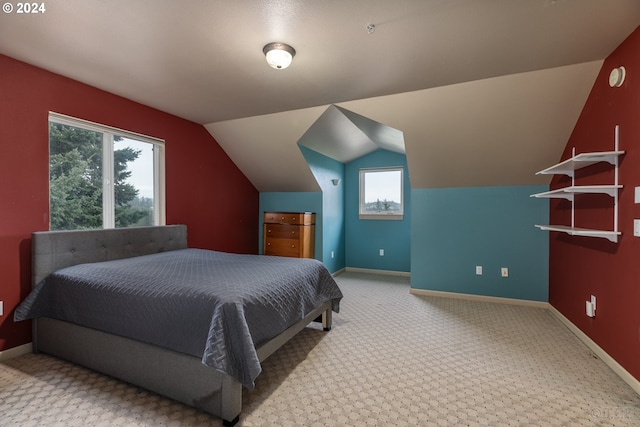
214, 305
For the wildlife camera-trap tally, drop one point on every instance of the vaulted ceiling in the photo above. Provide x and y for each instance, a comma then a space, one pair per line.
485, 92
345, 136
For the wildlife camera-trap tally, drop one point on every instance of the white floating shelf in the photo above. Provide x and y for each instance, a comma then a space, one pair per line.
588, 232
569, 166
568, 192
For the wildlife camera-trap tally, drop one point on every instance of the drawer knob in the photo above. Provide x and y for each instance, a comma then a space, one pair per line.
293, 246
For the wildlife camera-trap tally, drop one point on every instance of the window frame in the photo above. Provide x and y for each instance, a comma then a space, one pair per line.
361, 200
108, 133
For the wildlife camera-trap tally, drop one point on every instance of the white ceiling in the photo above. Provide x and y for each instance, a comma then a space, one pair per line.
484, 91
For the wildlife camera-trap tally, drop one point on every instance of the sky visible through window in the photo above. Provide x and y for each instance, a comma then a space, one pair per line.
383, 185
142, 168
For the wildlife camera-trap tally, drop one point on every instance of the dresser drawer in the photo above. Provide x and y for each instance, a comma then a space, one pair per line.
284, 231
282, 247
289, 218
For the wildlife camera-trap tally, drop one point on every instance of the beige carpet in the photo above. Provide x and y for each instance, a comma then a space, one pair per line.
392, 359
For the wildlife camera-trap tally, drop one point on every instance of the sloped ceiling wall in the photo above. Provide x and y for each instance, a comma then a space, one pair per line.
265, 148
490, 132
344, 135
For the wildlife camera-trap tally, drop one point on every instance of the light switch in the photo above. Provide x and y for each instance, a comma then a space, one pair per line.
636, 199
636, 227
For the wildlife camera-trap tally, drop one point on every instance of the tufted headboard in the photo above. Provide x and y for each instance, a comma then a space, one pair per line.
53, 250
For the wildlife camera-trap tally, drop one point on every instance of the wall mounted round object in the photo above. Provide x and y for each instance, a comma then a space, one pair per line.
616, 78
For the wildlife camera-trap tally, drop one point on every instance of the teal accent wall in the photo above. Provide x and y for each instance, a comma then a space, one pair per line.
332, 232
456, 229
365, 238
292, 202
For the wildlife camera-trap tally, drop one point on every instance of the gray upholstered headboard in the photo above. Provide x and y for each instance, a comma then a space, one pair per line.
53, 250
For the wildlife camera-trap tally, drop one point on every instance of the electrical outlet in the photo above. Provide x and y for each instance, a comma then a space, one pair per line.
1, 308
591, 306
504, 271
479, 270
591, 312
381, 252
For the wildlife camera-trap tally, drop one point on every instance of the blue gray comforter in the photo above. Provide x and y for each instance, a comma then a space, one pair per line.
208, 304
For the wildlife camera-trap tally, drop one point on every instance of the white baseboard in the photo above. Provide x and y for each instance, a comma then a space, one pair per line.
16, 351
598, 351
499, 300
383, 272
334, 274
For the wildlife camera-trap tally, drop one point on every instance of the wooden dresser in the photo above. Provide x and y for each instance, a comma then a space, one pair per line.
289, 234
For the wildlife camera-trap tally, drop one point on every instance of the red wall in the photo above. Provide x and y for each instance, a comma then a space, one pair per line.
582, 266
205, 190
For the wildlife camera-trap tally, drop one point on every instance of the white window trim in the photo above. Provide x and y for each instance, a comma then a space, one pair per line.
160, 216
381, 215
108, 199
97, 127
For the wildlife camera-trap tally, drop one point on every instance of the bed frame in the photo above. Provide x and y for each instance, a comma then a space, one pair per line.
176, 375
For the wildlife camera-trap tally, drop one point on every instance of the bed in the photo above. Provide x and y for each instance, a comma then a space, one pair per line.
185, 342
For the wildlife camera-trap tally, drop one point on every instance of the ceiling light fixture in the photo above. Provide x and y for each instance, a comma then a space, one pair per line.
279, 55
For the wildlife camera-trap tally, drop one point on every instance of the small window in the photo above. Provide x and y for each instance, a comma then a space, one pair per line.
101, 177
381, 191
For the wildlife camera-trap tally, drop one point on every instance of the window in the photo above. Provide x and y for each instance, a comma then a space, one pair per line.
381, 191
101, 177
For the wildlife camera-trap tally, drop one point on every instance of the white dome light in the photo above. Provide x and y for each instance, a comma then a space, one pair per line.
279, 55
